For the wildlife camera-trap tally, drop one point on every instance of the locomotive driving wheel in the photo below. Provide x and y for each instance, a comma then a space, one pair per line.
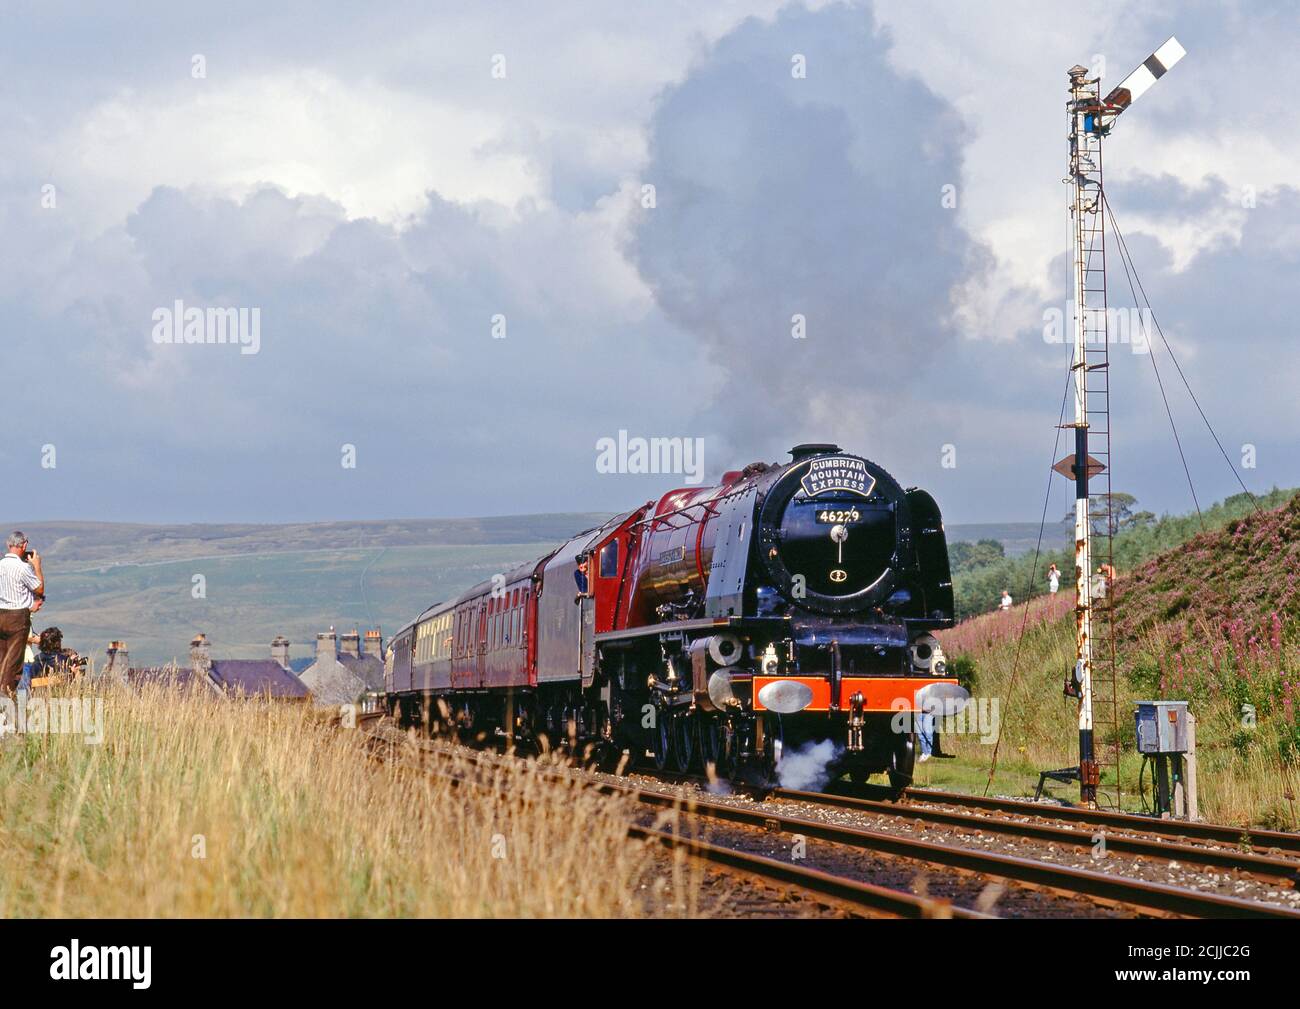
659, 741
681, 733
902, 762
773, 745
712, 740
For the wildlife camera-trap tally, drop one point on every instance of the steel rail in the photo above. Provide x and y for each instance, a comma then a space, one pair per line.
1220, 833
1166, 850
880, 899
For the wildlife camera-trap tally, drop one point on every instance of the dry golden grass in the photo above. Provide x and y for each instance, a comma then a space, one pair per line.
197, 806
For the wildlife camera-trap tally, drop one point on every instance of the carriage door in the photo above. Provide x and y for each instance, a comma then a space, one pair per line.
482, 644
587, 639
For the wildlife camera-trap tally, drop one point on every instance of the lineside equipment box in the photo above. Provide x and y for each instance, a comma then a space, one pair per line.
1161, 726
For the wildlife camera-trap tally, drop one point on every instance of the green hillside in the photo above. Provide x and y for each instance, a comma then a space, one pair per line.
136, 582
981, 570
73, 545
250, 599
1212, 621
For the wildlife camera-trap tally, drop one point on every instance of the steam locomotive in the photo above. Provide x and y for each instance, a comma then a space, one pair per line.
716, 626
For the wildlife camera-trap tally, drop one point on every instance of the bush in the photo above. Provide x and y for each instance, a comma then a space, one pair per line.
963, 667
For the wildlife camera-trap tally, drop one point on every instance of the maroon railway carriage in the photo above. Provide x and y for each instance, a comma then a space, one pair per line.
789, 603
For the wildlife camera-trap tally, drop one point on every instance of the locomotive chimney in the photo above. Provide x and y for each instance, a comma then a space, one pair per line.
813, 448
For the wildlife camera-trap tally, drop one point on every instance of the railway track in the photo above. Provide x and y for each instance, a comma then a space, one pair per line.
1141, 895
1215, 833
853, 896
1221, 846
851, 893
1121, 836
1138, 893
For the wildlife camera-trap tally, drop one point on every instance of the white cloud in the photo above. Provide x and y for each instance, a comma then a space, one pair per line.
373, 150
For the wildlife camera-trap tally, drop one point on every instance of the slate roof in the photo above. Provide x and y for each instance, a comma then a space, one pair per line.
252, 677
331, 682
367, 668
182, 676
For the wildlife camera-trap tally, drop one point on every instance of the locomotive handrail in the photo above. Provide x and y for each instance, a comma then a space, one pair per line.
707, 505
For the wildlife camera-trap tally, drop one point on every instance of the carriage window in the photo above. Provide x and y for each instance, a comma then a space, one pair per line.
609, 559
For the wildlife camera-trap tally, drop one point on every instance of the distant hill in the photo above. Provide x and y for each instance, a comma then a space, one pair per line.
137, 582
1017, 538
94, 544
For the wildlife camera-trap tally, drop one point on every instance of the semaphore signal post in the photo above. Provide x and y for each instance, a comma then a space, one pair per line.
1090, 119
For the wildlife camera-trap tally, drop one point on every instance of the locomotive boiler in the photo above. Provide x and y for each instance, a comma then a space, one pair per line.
713, 628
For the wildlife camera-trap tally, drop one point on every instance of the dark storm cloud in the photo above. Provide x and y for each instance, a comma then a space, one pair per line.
821, 197
776, 196
370, 336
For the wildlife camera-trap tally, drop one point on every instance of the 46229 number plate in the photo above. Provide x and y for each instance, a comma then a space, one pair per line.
839, 516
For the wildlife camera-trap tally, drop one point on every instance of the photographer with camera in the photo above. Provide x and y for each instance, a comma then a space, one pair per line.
22, 591
53, 660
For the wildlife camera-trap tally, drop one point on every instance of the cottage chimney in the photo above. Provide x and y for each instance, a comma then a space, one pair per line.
350, 644
280, 650
373, 644
326, 646
119, 661
200, 655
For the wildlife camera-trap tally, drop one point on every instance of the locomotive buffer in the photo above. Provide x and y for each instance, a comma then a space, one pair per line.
1090, 118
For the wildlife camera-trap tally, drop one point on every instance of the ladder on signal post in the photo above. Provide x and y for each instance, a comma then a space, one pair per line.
1090, 261
1100, 740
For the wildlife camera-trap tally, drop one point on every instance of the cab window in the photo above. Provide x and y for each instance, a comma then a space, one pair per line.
609, 559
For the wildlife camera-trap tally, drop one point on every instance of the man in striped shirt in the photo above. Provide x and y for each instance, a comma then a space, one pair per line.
22, 588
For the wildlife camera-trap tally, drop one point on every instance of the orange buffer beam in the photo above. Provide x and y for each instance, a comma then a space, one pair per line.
879, 693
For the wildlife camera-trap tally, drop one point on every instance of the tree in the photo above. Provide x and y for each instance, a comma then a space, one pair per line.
1121, 514
965, 556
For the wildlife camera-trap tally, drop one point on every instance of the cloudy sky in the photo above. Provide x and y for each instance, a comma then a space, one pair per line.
382, 182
